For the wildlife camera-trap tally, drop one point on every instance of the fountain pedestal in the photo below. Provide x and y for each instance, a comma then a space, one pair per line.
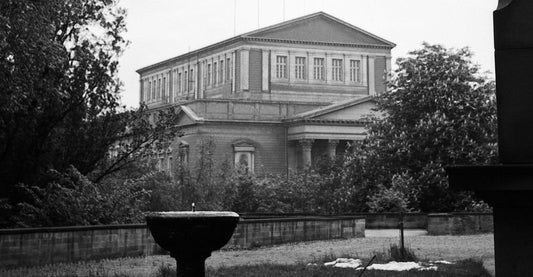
508, 187
190, 237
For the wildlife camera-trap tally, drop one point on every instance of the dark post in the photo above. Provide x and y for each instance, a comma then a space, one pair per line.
508, 187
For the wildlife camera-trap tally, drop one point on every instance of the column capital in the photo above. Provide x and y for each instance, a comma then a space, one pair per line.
333, 142
306, 143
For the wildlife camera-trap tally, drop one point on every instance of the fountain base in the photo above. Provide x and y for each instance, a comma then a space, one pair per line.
190, 237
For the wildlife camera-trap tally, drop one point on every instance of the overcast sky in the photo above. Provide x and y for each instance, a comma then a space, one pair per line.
161, 29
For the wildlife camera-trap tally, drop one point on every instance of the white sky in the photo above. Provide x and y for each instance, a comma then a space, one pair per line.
162, 29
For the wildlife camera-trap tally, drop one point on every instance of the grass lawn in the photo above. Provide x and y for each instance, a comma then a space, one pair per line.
463, 268
450, 248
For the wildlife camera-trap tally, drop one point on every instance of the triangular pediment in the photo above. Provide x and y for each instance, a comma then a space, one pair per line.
320, 27
350, 110
355, 112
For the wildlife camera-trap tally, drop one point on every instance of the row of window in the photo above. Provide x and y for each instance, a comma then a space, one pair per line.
156, 87
183, 81
217, 72
165, 162
242, 160
319, 69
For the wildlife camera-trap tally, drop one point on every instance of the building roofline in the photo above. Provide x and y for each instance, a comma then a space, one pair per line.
320, 13
250, 36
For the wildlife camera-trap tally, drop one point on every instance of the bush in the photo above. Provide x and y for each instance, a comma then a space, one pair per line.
71, 199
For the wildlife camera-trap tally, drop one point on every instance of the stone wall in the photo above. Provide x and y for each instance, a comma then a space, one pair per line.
270, 231
37, 246
460, 223
372, 220
391, 220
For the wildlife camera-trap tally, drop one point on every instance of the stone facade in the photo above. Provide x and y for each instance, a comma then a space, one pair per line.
274, 99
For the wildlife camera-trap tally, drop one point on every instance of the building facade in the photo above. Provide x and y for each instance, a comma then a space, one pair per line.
274, 99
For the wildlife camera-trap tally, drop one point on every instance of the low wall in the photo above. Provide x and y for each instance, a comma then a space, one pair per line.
460, 223
391, 220
373, 220
37, 246
269, 231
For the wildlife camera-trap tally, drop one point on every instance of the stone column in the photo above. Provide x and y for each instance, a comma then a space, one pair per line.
306, 145
332, 148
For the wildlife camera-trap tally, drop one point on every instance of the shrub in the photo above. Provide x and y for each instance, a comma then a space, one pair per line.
71, 199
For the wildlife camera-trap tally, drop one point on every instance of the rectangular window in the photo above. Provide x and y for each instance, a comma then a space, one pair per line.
221, 72
158, 92
153, 88
299, 68
336, 69
191, 81
228, 70
163, 90
186, 81
179, 83
149, 90
215, 73
355, 71
184, 154
175, 82
318, 69
209, 74
281, 67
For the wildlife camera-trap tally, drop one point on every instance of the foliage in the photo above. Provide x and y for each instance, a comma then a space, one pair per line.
213, 186
60, 95
60, 105
438, 111
74, 200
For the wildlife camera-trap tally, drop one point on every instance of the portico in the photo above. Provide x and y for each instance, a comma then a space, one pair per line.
325, 132
314, 140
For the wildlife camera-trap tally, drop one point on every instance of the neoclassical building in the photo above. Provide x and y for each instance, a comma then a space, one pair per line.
273, 99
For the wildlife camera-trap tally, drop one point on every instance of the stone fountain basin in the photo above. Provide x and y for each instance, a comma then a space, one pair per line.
192, 233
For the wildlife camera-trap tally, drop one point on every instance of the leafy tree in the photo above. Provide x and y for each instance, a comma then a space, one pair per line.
438, 111
59, 100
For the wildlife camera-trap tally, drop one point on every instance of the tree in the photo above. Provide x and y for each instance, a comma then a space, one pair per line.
59, 104
438, 111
